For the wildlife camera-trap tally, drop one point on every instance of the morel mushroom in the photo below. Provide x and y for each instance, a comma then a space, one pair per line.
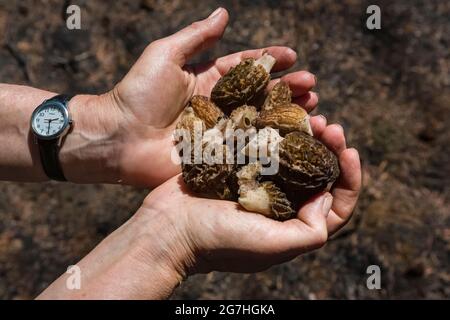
242, 83
287, 118
279, 113
280, 94
244, 117
211, 180
306, 166
189, 126
206, 110
264, 197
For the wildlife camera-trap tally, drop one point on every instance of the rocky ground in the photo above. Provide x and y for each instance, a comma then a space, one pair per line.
389, 88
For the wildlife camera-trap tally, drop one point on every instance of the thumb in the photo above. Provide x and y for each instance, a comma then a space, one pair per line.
312, 223
198, 36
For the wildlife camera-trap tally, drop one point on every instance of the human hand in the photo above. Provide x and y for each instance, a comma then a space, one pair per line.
175, 234
222, 236
141, 112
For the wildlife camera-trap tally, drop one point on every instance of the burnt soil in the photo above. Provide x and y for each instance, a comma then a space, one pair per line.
389, 88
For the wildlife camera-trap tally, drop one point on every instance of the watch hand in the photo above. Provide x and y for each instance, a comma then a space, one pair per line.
48, 129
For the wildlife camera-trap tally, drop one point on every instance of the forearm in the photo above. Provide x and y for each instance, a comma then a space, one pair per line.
137, 261
88, 154
19, 156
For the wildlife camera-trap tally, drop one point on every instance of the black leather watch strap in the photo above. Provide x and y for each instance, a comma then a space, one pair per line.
64, 98
49, 149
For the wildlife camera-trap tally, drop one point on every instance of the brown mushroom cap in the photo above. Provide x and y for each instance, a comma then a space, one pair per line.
265, 197
190, 124
306, 166
206, 110
211, 180
242, 83
280, 94
286, 117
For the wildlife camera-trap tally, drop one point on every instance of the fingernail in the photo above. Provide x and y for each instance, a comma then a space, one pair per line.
308, 75
315, 80
215, 13
323, 118
326, 204
355, 153
340, 127
292, 52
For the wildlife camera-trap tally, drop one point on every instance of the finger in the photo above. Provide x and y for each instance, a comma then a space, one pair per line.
318, 125
256, 233
307, 232
285, 58
308, 101
346, 190
300, 82
197, 37
333, 137
313, 212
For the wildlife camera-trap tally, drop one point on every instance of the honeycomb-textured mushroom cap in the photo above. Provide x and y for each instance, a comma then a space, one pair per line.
280, 94
211, 180
286, 117
262, 197
206, 110
291, 165
189, 125
267, 199
242, 83
306, 166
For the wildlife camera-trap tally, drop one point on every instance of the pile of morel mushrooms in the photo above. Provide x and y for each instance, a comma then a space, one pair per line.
253, 147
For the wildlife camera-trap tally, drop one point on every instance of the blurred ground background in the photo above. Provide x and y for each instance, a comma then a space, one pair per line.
389, 88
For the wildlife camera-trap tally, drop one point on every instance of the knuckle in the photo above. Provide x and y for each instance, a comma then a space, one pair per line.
320, 237
196, 26
154, 45
198, 30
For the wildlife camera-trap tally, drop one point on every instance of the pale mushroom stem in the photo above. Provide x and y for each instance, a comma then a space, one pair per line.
307, 126
267, 61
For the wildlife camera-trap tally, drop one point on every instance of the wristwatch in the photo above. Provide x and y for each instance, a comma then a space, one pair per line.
50, 123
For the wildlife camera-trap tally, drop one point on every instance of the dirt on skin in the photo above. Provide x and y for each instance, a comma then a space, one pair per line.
389, 89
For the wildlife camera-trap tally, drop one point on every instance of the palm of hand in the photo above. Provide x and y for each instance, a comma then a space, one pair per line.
152, 102
151, 98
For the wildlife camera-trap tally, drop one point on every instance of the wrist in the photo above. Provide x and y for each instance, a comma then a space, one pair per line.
90, 151
160, 253
135, 262
164, 234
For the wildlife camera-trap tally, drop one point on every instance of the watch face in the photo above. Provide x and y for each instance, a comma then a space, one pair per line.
49, 120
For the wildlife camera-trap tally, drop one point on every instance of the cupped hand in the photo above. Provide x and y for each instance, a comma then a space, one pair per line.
219, 235
175, 234
152, 95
